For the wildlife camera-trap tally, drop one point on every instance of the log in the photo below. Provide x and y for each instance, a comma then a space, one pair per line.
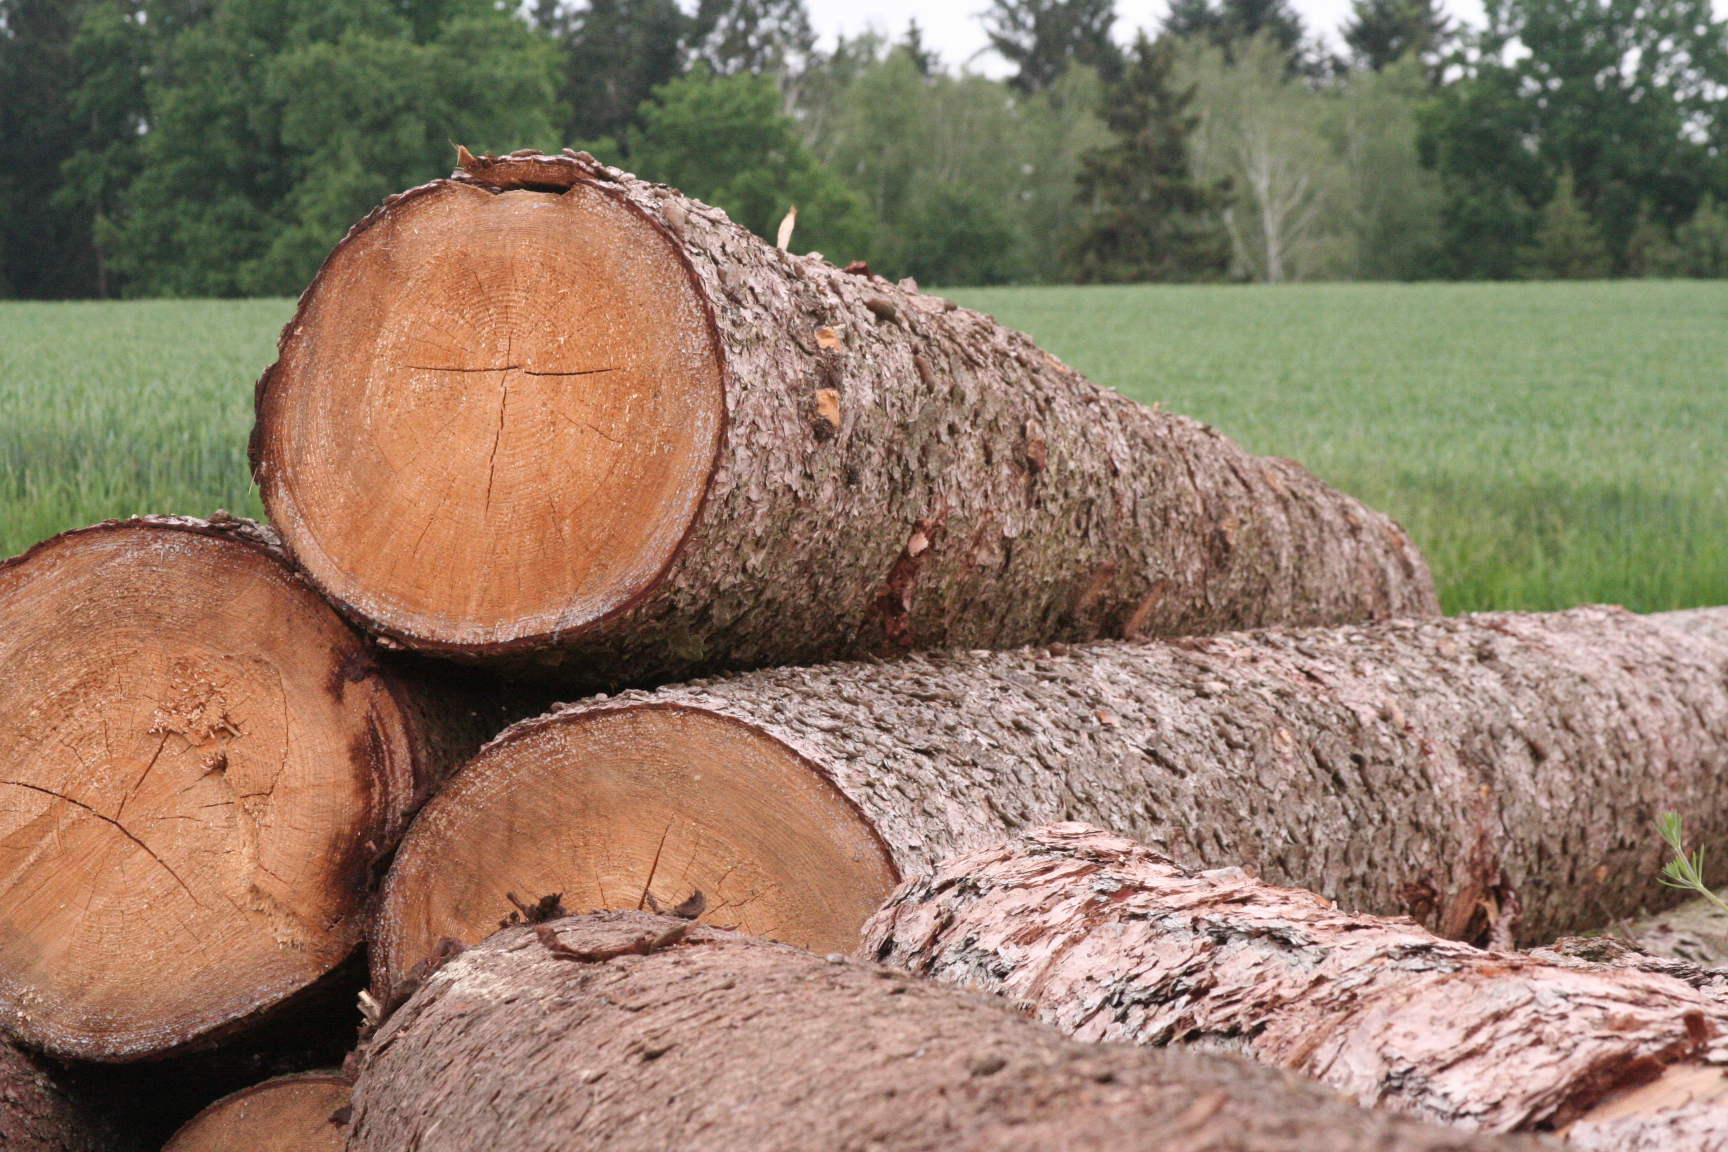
630, 1031
301, 1113
1494, 775
36, 1114
1110, 941
201, 767
1705, 623
545, 407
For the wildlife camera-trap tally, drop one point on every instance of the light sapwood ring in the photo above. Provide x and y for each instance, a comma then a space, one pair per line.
199, 766
547, 415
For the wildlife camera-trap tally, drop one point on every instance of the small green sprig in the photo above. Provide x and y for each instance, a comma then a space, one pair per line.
1684, 871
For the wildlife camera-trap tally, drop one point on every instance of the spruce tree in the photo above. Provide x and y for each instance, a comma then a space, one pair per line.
45, 248
1148, 218
1042, 38
1568, 244
1383, 31
732, 36
1227, 22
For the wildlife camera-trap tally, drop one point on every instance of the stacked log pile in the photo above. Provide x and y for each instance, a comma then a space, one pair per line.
545, 428
581, 1034
1108, 940
1493, 775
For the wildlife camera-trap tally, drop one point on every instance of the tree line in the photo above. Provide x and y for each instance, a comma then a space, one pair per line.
220, 147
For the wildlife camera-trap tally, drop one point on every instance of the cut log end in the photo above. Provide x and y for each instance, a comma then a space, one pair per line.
495, 418
289, 1114
631, 808
197, 768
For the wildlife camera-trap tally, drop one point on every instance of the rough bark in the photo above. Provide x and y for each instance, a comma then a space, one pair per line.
302, 1113
453, 445
1494, 775
1110, 941
1705, 623
201, 767
36, 1115
715, 1041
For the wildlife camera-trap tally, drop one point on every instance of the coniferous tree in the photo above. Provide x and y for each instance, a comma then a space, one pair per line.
45, 249
1149, 219
1383, 31
1568, 245
1041, 38
732, 36
1630, 98
1229, 22
924, 59
616, 52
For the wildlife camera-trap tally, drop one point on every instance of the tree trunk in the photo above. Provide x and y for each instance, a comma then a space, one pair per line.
604, 1033
1109, 941
1705, 623
289, 1114
548, 407
1494, 775
201, 766
36, 1115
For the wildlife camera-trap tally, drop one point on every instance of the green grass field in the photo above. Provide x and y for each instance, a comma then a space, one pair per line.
1547, 444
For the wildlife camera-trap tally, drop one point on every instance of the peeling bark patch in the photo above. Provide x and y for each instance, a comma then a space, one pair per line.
891, 610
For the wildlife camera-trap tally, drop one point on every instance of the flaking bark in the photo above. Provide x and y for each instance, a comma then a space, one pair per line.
720, 1041
36, 1114
1109, 941
897, 473
1496, 776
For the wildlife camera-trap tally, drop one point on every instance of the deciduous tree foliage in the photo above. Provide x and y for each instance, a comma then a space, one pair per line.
274, 124
616, 52
725, 141
1148, 218
1627, 95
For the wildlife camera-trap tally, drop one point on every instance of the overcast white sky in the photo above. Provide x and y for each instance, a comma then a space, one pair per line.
951, 26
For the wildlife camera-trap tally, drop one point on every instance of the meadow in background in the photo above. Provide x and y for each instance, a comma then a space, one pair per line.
1547, 444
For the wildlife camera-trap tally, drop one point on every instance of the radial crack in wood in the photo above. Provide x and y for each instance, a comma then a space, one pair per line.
548, 408
1110, 941
721, 1042
628, 808
1494, 775
199, 766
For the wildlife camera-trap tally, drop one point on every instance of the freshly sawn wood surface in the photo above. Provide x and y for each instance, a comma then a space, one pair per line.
1494, 775
301, 1113
200, 766
547, 407
628, 1032
1110, 941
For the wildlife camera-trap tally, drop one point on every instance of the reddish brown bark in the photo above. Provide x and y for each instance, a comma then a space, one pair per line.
548, 407
534, 1042
1494, 775
35, 1114
1110, 941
